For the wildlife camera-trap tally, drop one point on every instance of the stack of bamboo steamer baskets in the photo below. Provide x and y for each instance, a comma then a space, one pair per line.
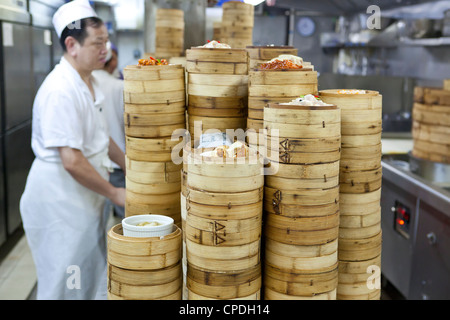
169, 33
360, 193
431, 124
155, 107
223, 227
275, 86
144, 268
217, 89
237, 24
301, 202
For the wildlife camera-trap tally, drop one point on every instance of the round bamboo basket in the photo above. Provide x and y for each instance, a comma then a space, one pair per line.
262, 54
237, 24
144, 268
169, 39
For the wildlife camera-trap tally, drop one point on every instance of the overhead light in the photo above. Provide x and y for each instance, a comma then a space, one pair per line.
254, 2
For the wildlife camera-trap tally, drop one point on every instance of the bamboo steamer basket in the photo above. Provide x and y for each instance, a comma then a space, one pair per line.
302, 122
360, 181
217, 61
360, 113
360, 226
262, 54
160, 284
355, 282
213, 174
154, 84
359, 203
360, 249
301, 259
244, 284
143, 253
302, 285
303, 197
430, 125
151, 150
437, 96
431, 133
169, 26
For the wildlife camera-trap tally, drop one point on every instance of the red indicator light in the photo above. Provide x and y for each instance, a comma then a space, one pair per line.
400, 222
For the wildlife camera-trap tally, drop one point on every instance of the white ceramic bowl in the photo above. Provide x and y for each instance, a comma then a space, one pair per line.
131, 228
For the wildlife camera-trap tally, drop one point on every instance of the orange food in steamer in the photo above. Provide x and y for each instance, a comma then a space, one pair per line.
279, 65
153, 62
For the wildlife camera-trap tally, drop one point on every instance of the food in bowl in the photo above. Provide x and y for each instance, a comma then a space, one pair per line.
149, 224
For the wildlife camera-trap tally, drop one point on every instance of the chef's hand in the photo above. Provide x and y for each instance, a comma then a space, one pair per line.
118, 197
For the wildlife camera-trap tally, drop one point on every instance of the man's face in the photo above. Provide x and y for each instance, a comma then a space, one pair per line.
92, 54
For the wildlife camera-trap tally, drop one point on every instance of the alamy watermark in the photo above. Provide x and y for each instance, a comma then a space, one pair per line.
374, 20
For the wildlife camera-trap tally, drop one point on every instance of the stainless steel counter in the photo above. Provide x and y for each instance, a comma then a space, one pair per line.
416, 232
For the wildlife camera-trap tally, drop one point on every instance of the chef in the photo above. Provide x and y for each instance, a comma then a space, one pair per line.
62, 205
114, 108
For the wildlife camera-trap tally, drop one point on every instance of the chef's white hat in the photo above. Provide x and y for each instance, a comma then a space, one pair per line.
71, 12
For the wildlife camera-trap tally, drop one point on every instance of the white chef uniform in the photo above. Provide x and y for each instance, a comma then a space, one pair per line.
114, 106
63, 220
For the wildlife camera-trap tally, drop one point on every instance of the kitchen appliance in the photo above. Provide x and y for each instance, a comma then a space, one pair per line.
415, 204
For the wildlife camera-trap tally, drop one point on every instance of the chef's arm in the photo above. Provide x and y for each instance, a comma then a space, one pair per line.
116, 154
84, 173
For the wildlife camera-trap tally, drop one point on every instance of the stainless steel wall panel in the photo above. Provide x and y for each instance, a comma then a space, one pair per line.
3, 233
18, 77
18, 159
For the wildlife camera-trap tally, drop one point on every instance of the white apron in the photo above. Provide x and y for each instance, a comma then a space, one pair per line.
65, 229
